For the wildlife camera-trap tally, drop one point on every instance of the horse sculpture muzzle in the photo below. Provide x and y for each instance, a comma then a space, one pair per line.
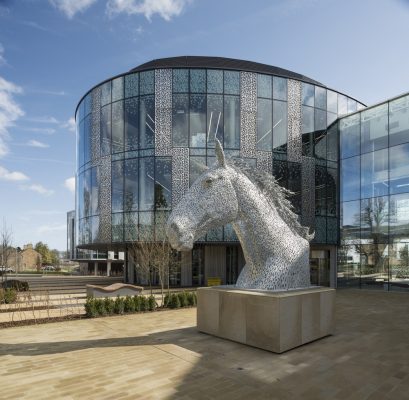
178, 236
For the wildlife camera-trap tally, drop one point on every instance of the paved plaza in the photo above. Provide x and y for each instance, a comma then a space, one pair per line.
160, 355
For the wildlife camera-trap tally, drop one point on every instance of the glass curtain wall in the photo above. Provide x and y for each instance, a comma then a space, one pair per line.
374, 224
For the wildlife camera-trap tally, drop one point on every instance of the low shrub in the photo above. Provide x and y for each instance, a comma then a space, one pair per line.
174, 301
8, 296
90, 307
119, 305
129, 305
137, 303
151, 303
144, 305
20, 286
166, 300
183, 299
109, 306
100, 307
190, 299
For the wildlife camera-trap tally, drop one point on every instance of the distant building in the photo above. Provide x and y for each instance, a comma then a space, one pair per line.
24, 259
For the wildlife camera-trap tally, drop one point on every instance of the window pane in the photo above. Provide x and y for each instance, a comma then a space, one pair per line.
94, 221
180, 80
279, 126
214, 81
350, 220
351, 104
320, 98
264, 86
106, 93
87, 138
307, 130
232, 122
342, 104
146, 183
95, 190
117, 127
87, 193
147, 122
147, 82
374, 174
294, 184
163, 184
307, 94
332, 143
118, 88
145, 226
131, 124
374, 219
131, 226
117, 195
106, 130
399, 168
332, 102
131, 85
198, 81
350, 179
180, 120
320, 120
80, 188
374, 128
131, 185
332, 191
197, 164
117, 227
279, 88
231, 82
264, 124
214, 119
320, 191
399, 217
399, 121
350, 136
198, 120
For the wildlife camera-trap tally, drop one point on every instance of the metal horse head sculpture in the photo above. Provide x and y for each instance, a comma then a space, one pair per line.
275, 245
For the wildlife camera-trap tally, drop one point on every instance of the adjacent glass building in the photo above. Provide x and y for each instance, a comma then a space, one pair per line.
374, 189
144, 137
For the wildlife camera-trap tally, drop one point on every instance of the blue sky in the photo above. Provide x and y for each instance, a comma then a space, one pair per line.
53, 51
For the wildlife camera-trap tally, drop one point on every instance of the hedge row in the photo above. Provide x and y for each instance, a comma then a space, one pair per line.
95, 307
180, 299
8, 296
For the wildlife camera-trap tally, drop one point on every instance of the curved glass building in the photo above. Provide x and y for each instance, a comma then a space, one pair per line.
144, 136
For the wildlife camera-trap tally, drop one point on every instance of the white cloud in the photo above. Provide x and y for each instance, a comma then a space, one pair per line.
7, 175
70, 184
164, 8
10, 111
44, 120
38, 189
51, 228
70, 125
36, 143
72, 7
46, 131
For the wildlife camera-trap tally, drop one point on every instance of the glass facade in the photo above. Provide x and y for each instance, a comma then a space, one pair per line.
374, 187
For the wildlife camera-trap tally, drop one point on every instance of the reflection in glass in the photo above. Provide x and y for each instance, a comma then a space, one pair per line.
332, 102
117, 227
264, 86
342, 104
350, 178
106, 130
399, 121
307, 129
399, 217
117, 127
163, 183
232, 122
131, 227
320, 97
374, 128
131, 85
351, 105
145, 226
264, 124
131, 124
146, 183
198, 120
180, 113
350, 221
279, 126
294, 185
332, 191
307, 94
118, 89
117, 186
374, 174
87, 138
374, 264
279, 88
94, 221
374, 219
147, 82
399, 168
349, 128
131, 185
197, 164
147, 122
87, 193
214, 119
106, 93
320, 190
214, 81
95, 190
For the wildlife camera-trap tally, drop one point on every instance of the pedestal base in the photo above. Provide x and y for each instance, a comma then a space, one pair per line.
274, 321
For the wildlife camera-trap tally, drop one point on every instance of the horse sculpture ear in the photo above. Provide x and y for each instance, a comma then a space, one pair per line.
220, 154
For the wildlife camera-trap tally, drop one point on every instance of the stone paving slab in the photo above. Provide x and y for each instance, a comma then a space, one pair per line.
161, 355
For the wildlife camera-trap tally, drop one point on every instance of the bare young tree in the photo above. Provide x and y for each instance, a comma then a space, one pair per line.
6, 237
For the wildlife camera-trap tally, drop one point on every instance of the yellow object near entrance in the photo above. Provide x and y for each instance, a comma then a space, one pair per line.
215, 281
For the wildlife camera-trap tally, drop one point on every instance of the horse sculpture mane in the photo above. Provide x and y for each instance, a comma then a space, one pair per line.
277, 195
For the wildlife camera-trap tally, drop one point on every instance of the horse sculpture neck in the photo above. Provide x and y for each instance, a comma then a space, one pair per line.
262, 234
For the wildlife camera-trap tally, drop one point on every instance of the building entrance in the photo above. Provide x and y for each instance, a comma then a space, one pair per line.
320, 267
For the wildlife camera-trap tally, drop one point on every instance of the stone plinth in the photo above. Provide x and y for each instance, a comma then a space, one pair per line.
274, 321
